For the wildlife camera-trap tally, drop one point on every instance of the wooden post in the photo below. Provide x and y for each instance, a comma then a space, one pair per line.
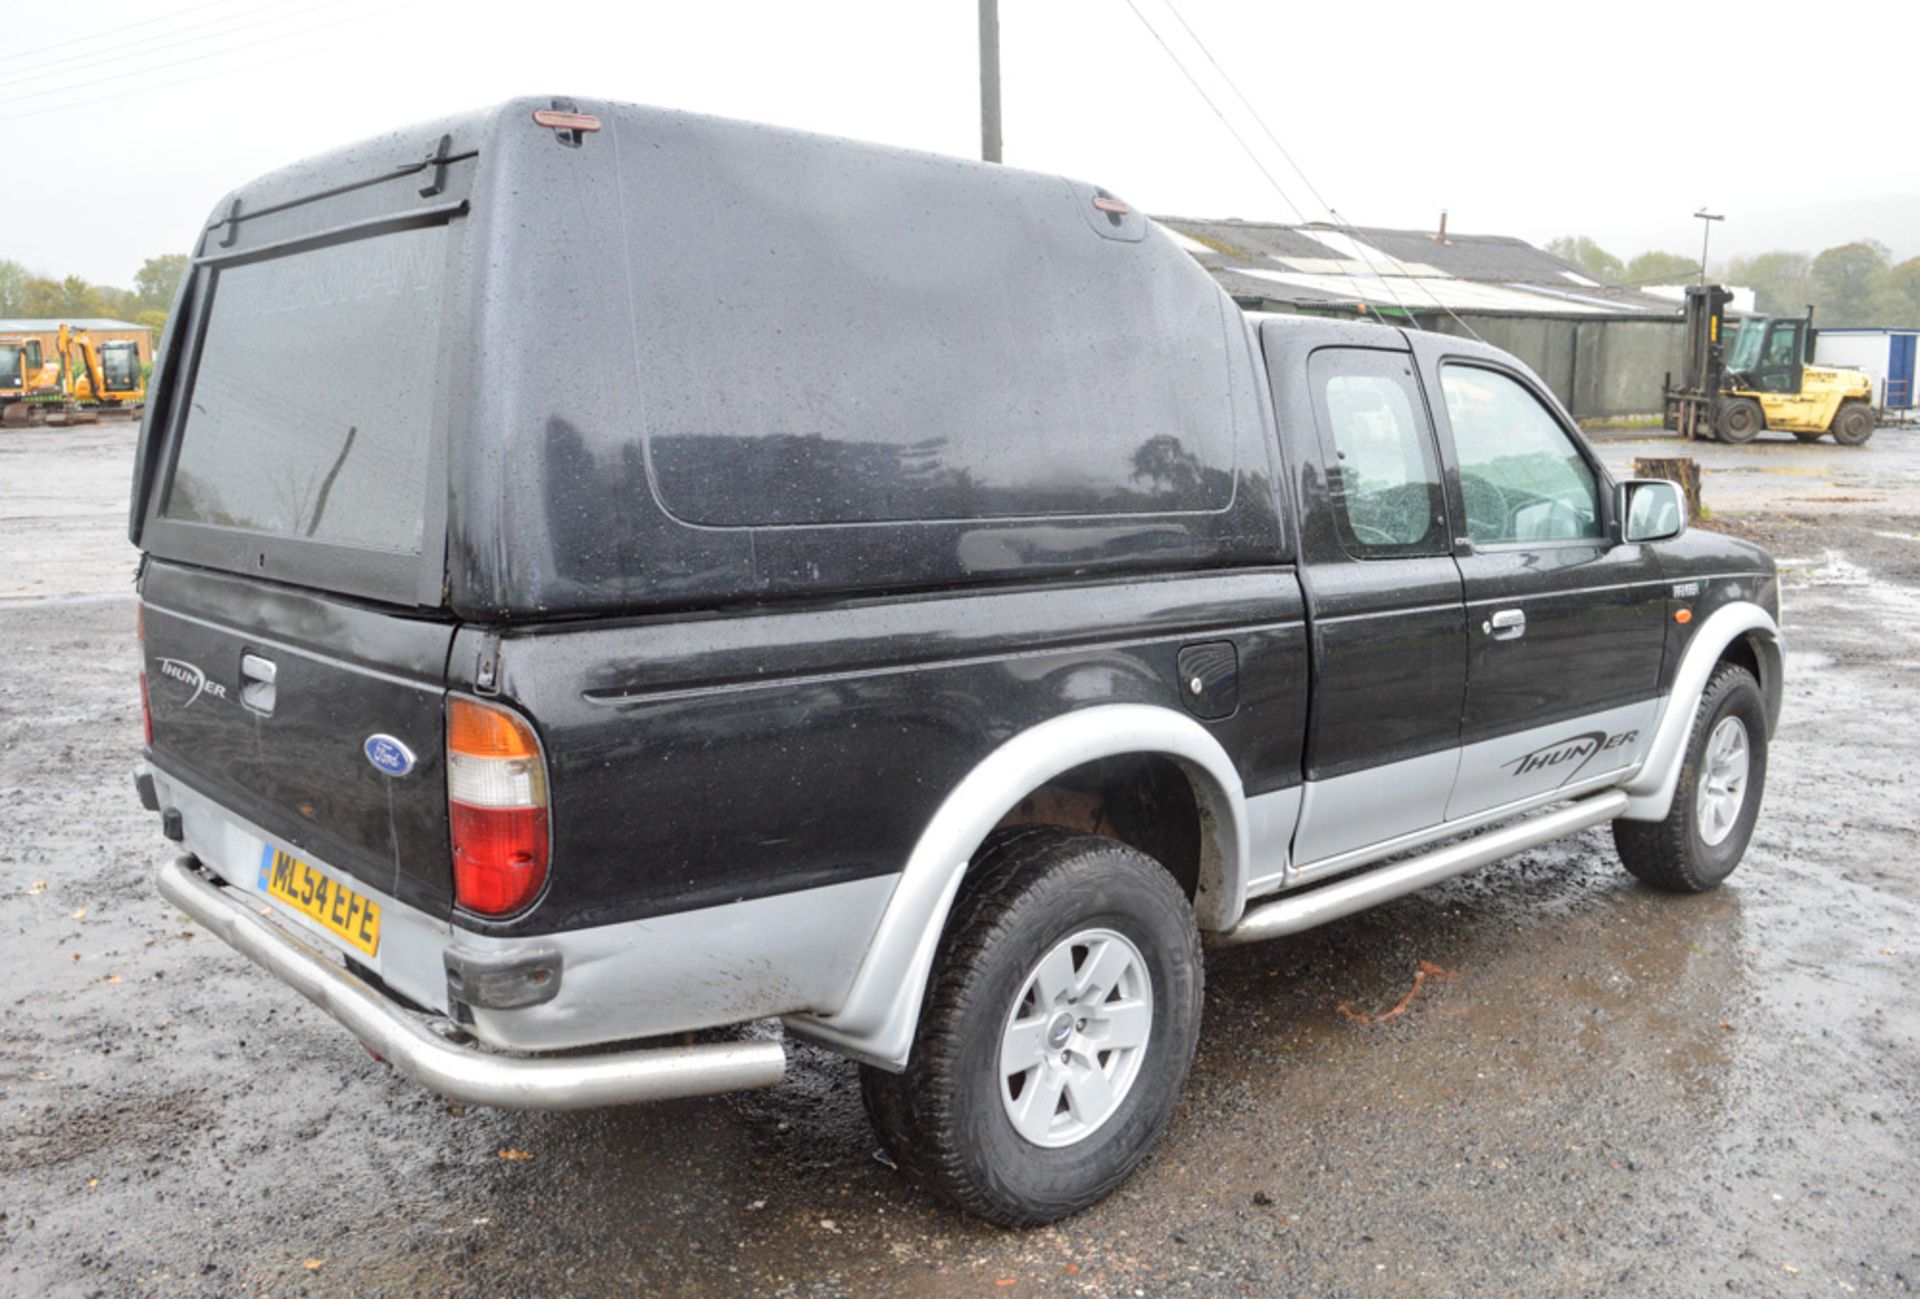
1684, 470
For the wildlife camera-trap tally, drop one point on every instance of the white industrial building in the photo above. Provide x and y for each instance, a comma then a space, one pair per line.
1887, 356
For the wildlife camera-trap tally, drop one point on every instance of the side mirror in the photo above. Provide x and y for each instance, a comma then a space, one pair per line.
1649, 509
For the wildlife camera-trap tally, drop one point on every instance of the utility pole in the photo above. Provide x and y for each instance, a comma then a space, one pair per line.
1706, 230
990, 80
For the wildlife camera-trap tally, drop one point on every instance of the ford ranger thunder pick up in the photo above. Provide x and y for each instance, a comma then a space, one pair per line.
623, 590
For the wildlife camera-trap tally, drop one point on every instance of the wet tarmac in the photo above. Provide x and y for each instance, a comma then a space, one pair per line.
1604, 1091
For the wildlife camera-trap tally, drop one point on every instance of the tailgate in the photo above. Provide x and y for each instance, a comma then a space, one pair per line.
265, 698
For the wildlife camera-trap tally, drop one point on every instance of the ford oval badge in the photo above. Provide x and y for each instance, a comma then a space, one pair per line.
389, 755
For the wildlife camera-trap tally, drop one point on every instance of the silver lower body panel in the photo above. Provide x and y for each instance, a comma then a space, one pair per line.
727, 964
1294, 913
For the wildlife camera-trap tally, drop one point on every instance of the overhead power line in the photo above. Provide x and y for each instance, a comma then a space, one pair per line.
1201, 90
139, 49
193, 58
1339, 221
1353, 236
1252, 154
1252, 112
1352, 231
113, 31
252, 65
196, 79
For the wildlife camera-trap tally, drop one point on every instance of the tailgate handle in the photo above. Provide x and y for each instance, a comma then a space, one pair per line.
256, 682
1508, 624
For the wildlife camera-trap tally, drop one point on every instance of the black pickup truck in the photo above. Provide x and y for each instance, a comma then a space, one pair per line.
613, 579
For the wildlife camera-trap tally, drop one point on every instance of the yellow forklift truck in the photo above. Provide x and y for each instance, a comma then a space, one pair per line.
1763, 380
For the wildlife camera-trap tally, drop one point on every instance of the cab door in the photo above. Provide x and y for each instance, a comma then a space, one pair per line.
1384, 595
1565, 628
1780, 357
1780, 377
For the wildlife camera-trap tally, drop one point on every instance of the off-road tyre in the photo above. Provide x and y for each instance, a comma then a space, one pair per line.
1740, 420
1809, 435
943, 1120
1852, 424
1673, 854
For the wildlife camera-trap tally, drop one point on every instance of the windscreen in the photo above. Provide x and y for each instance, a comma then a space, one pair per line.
12, 368
311, 405
120, 364
1745, 353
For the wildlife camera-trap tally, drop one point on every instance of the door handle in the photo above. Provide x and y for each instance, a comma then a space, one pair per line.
1508, 624
257, 682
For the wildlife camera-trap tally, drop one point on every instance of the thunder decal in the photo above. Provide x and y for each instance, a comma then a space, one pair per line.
186, 673
1578, 750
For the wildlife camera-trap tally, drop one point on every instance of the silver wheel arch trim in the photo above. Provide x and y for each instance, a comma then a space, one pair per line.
877, 1020
1650, 792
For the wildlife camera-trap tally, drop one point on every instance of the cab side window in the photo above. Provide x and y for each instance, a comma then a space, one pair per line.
1521, 475
1382, 471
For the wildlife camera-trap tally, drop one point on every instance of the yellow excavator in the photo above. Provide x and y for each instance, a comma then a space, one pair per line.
26, 378
1763, 380
79, 382
109, 374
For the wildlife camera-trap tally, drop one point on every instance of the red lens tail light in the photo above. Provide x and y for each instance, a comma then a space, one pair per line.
497, 808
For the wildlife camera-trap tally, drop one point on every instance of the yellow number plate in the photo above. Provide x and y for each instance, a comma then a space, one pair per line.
288, 879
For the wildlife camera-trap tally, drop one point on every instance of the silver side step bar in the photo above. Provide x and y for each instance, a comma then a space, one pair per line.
458, 1071
1296, 913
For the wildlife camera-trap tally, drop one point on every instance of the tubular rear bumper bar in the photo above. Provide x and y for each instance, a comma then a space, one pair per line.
465, 1073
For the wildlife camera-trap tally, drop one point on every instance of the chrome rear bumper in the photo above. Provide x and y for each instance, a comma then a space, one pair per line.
459, 1071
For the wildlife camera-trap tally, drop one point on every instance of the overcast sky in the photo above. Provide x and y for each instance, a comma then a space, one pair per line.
127, 121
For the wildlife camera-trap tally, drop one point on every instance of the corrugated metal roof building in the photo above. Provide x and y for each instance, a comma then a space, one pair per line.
1392, 272
1605, 350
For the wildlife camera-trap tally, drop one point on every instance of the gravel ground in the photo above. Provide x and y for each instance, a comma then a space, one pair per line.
1605, 1091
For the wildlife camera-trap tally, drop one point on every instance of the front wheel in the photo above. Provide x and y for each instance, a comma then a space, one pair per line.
1059, 1025
1852, 424
1740, 420
1715, 804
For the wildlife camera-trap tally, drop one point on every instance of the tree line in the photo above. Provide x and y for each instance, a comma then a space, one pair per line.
1855, 283
25, 293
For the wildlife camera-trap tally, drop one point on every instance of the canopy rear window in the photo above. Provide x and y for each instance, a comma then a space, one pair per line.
311, 409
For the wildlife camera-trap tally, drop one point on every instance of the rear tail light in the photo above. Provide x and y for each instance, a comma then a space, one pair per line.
140, 644
497, 808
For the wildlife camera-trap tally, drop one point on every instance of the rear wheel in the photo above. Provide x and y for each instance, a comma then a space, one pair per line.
1852, 424
1740, 420
1705, 832
1058, 1028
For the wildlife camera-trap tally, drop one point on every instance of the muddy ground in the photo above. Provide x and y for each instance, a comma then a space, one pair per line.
1609, 1092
